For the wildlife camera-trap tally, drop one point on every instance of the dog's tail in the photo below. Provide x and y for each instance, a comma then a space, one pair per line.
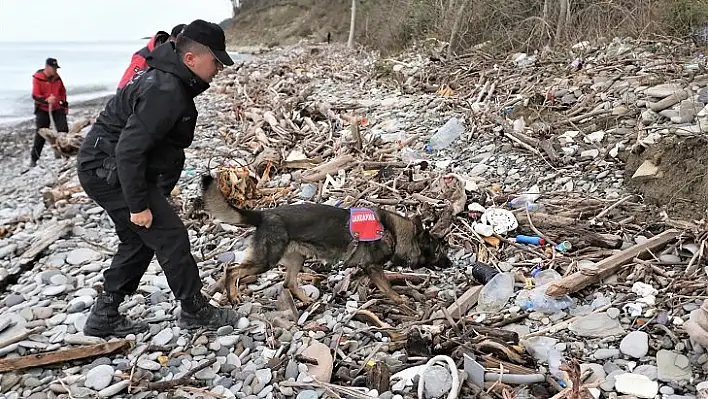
216, 204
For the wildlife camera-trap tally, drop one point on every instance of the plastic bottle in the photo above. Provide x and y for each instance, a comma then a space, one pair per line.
527, 199
449, 132
496, 293
540, 302
408, 154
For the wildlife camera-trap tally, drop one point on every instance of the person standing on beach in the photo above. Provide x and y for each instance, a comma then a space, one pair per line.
138, 62
49, 95
140, 135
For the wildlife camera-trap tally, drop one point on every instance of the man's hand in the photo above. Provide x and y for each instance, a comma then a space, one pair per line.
52, 100
142, 219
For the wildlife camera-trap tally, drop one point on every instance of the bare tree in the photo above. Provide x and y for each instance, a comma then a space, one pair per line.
350, 42
563, 19
456, 27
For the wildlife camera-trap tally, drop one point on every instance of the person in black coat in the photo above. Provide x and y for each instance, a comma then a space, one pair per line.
128, 163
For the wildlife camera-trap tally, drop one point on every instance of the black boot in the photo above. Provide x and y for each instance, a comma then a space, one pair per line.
197, 312
105, 320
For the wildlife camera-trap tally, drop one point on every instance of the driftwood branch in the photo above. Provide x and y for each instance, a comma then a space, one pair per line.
61, 356
186, 379
605, 268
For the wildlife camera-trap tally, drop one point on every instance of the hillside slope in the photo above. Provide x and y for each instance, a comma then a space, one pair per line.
526, 25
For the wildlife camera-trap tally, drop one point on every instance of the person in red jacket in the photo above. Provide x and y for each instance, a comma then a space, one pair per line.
138, 62
49, 95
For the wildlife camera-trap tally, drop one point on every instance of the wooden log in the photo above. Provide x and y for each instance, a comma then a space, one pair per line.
319, 172
61, 356
79, 125
605, 268
462, 305
44, 240
559, 228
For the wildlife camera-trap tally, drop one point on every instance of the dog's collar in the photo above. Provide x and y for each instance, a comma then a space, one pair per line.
364, 225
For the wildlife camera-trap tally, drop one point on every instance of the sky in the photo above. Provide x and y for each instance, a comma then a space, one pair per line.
101, 20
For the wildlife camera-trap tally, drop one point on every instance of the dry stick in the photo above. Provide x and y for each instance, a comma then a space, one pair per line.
68, 391
690, 269
184, 380
611, 207
535, 230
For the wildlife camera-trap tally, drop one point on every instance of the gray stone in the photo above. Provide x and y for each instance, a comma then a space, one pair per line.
32, 382
14, 299
53, 290
602, 354
635, 344
438, 381
224, 330
228, 341
80, 256
243, 323
149, 364
673, 367
598, 373
648, 370
609, 384
115, 389
291, 370
164, 337
99, 377
307, 394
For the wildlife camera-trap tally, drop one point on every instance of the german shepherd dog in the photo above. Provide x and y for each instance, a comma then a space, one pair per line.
287, 235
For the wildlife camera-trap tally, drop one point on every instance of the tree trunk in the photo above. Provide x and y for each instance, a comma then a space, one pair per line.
350, 42
455, 28
562, 19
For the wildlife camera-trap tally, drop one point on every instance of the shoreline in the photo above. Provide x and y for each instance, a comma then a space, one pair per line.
78, 109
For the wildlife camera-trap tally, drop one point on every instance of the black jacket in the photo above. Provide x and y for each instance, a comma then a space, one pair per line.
143, 130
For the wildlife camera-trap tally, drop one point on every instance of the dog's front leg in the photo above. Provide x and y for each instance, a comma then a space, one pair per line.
293, 263
376, 275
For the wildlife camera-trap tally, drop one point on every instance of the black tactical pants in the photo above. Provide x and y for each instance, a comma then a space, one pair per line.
42, 121
166, 238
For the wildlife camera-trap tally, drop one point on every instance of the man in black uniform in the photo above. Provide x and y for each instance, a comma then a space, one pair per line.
137, 140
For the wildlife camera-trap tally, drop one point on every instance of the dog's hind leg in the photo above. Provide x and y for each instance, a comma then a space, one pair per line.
237, 275
267, 249
293, 262
381, 282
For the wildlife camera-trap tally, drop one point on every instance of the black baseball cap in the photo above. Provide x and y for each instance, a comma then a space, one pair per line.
210, 35
177, 30
52, 62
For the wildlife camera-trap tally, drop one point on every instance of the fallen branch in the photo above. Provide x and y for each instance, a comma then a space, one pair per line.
186, 379
605, 268
330, 168
61, 356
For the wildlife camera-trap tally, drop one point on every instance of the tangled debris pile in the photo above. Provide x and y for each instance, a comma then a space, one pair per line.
565, 284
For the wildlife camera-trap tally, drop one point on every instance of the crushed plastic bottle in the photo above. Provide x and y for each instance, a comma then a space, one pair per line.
527, 199
408, 154
496, 293
449, 132
540, 302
